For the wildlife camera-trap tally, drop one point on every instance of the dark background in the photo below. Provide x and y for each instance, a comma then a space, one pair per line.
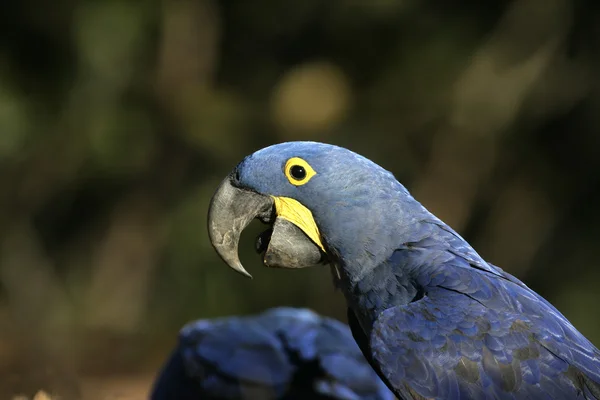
118, 119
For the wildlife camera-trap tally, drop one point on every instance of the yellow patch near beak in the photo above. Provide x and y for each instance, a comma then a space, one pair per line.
293, 211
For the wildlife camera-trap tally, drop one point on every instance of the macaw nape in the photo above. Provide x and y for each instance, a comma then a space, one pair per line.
281, 354
433, 318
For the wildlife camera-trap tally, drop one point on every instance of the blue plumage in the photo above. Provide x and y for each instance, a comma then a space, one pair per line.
434, 319
283, 353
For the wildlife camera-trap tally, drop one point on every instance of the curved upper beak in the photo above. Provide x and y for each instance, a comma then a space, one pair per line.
231, 210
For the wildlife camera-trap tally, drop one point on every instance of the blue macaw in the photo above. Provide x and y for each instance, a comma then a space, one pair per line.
434, 319
283, 353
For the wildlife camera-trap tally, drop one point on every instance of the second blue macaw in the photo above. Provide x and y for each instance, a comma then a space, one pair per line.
434, 319
280, 354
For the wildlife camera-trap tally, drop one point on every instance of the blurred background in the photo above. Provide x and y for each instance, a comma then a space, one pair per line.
118, 119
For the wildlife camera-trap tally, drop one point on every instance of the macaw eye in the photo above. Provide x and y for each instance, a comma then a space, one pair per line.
298, 171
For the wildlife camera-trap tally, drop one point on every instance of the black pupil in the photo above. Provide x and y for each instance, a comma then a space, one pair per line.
298, 172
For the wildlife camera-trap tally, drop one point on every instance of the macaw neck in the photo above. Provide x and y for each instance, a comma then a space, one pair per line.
400, 271
366, 234
379, 272
361, 235
384, 255
388, 285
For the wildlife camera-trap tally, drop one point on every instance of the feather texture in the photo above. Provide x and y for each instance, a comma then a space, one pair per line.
283, 353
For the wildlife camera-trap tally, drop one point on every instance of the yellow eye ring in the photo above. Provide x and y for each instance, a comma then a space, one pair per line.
298, 171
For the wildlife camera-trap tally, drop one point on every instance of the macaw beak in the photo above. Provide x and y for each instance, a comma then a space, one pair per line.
292, 241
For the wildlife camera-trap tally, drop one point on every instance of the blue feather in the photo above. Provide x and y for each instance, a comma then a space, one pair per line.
283, 353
